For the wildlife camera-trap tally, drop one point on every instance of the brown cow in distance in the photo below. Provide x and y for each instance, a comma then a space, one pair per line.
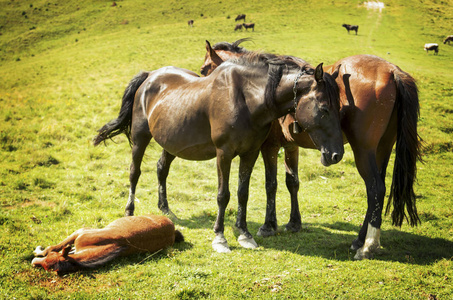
240, 17
249, 25
448, 39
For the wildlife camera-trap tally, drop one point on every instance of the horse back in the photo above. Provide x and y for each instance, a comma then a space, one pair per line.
367, 95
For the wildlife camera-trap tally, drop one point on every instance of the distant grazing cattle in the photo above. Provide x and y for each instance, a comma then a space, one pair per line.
249, 25
351, 27
432, 47
448, 39
240, 17
190, 23
238, 27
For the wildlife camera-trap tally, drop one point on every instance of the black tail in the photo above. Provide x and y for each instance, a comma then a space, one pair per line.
122, 124
178, 237
407, 151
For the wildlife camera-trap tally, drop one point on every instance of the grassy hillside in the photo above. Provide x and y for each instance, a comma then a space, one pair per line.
63, 69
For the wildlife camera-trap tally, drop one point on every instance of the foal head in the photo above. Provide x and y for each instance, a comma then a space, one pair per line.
56, 261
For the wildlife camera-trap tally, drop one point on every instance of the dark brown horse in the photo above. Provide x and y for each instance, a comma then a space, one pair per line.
225, 115
379, 106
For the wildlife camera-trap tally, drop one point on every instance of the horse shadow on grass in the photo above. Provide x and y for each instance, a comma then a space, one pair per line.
333, 241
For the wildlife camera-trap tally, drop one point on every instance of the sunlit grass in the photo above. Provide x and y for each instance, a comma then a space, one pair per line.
63, 68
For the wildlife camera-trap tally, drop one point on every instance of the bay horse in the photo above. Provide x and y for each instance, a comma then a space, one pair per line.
95, 247
225, 115
379, 106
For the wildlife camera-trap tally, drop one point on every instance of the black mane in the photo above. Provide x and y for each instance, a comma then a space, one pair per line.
231, 47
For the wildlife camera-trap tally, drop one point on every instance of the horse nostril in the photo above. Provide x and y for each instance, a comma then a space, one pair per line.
336, 158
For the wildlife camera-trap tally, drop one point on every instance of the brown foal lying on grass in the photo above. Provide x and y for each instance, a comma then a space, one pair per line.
94, 247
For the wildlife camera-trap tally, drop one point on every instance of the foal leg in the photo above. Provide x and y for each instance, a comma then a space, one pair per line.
292, 183
245, 171
163, 167
138, 150
219, 243
57, 248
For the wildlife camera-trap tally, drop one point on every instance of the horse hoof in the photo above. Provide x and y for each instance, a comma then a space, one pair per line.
247, 242
220, 244
356, 245
293, 227
363, 254
38, 251
265, 232
128, 213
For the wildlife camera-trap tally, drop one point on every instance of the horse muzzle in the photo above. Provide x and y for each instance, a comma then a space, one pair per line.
330, 158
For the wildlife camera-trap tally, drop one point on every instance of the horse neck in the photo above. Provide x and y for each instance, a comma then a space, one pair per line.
284, 98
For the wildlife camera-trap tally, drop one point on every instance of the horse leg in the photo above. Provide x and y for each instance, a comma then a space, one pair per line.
292, 184
369, 235
245, 171
163, 167
138, 150
270, 154
219, 243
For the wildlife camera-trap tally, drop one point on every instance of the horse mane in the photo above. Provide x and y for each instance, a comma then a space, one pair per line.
275, 64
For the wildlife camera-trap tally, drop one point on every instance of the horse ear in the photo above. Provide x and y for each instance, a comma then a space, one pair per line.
336, 72
211, 52
66, 250
208, 47
319, 73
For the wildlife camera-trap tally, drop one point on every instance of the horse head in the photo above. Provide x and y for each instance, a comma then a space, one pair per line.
318, 114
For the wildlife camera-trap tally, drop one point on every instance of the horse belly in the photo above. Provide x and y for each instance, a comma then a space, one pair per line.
187, 139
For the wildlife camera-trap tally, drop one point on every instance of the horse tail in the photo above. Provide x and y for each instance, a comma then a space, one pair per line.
178, 237
407, 150
122, 124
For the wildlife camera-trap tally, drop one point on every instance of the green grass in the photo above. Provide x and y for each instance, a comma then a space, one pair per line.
63, 68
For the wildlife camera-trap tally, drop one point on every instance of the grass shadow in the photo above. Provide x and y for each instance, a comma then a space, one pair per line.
333, 241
